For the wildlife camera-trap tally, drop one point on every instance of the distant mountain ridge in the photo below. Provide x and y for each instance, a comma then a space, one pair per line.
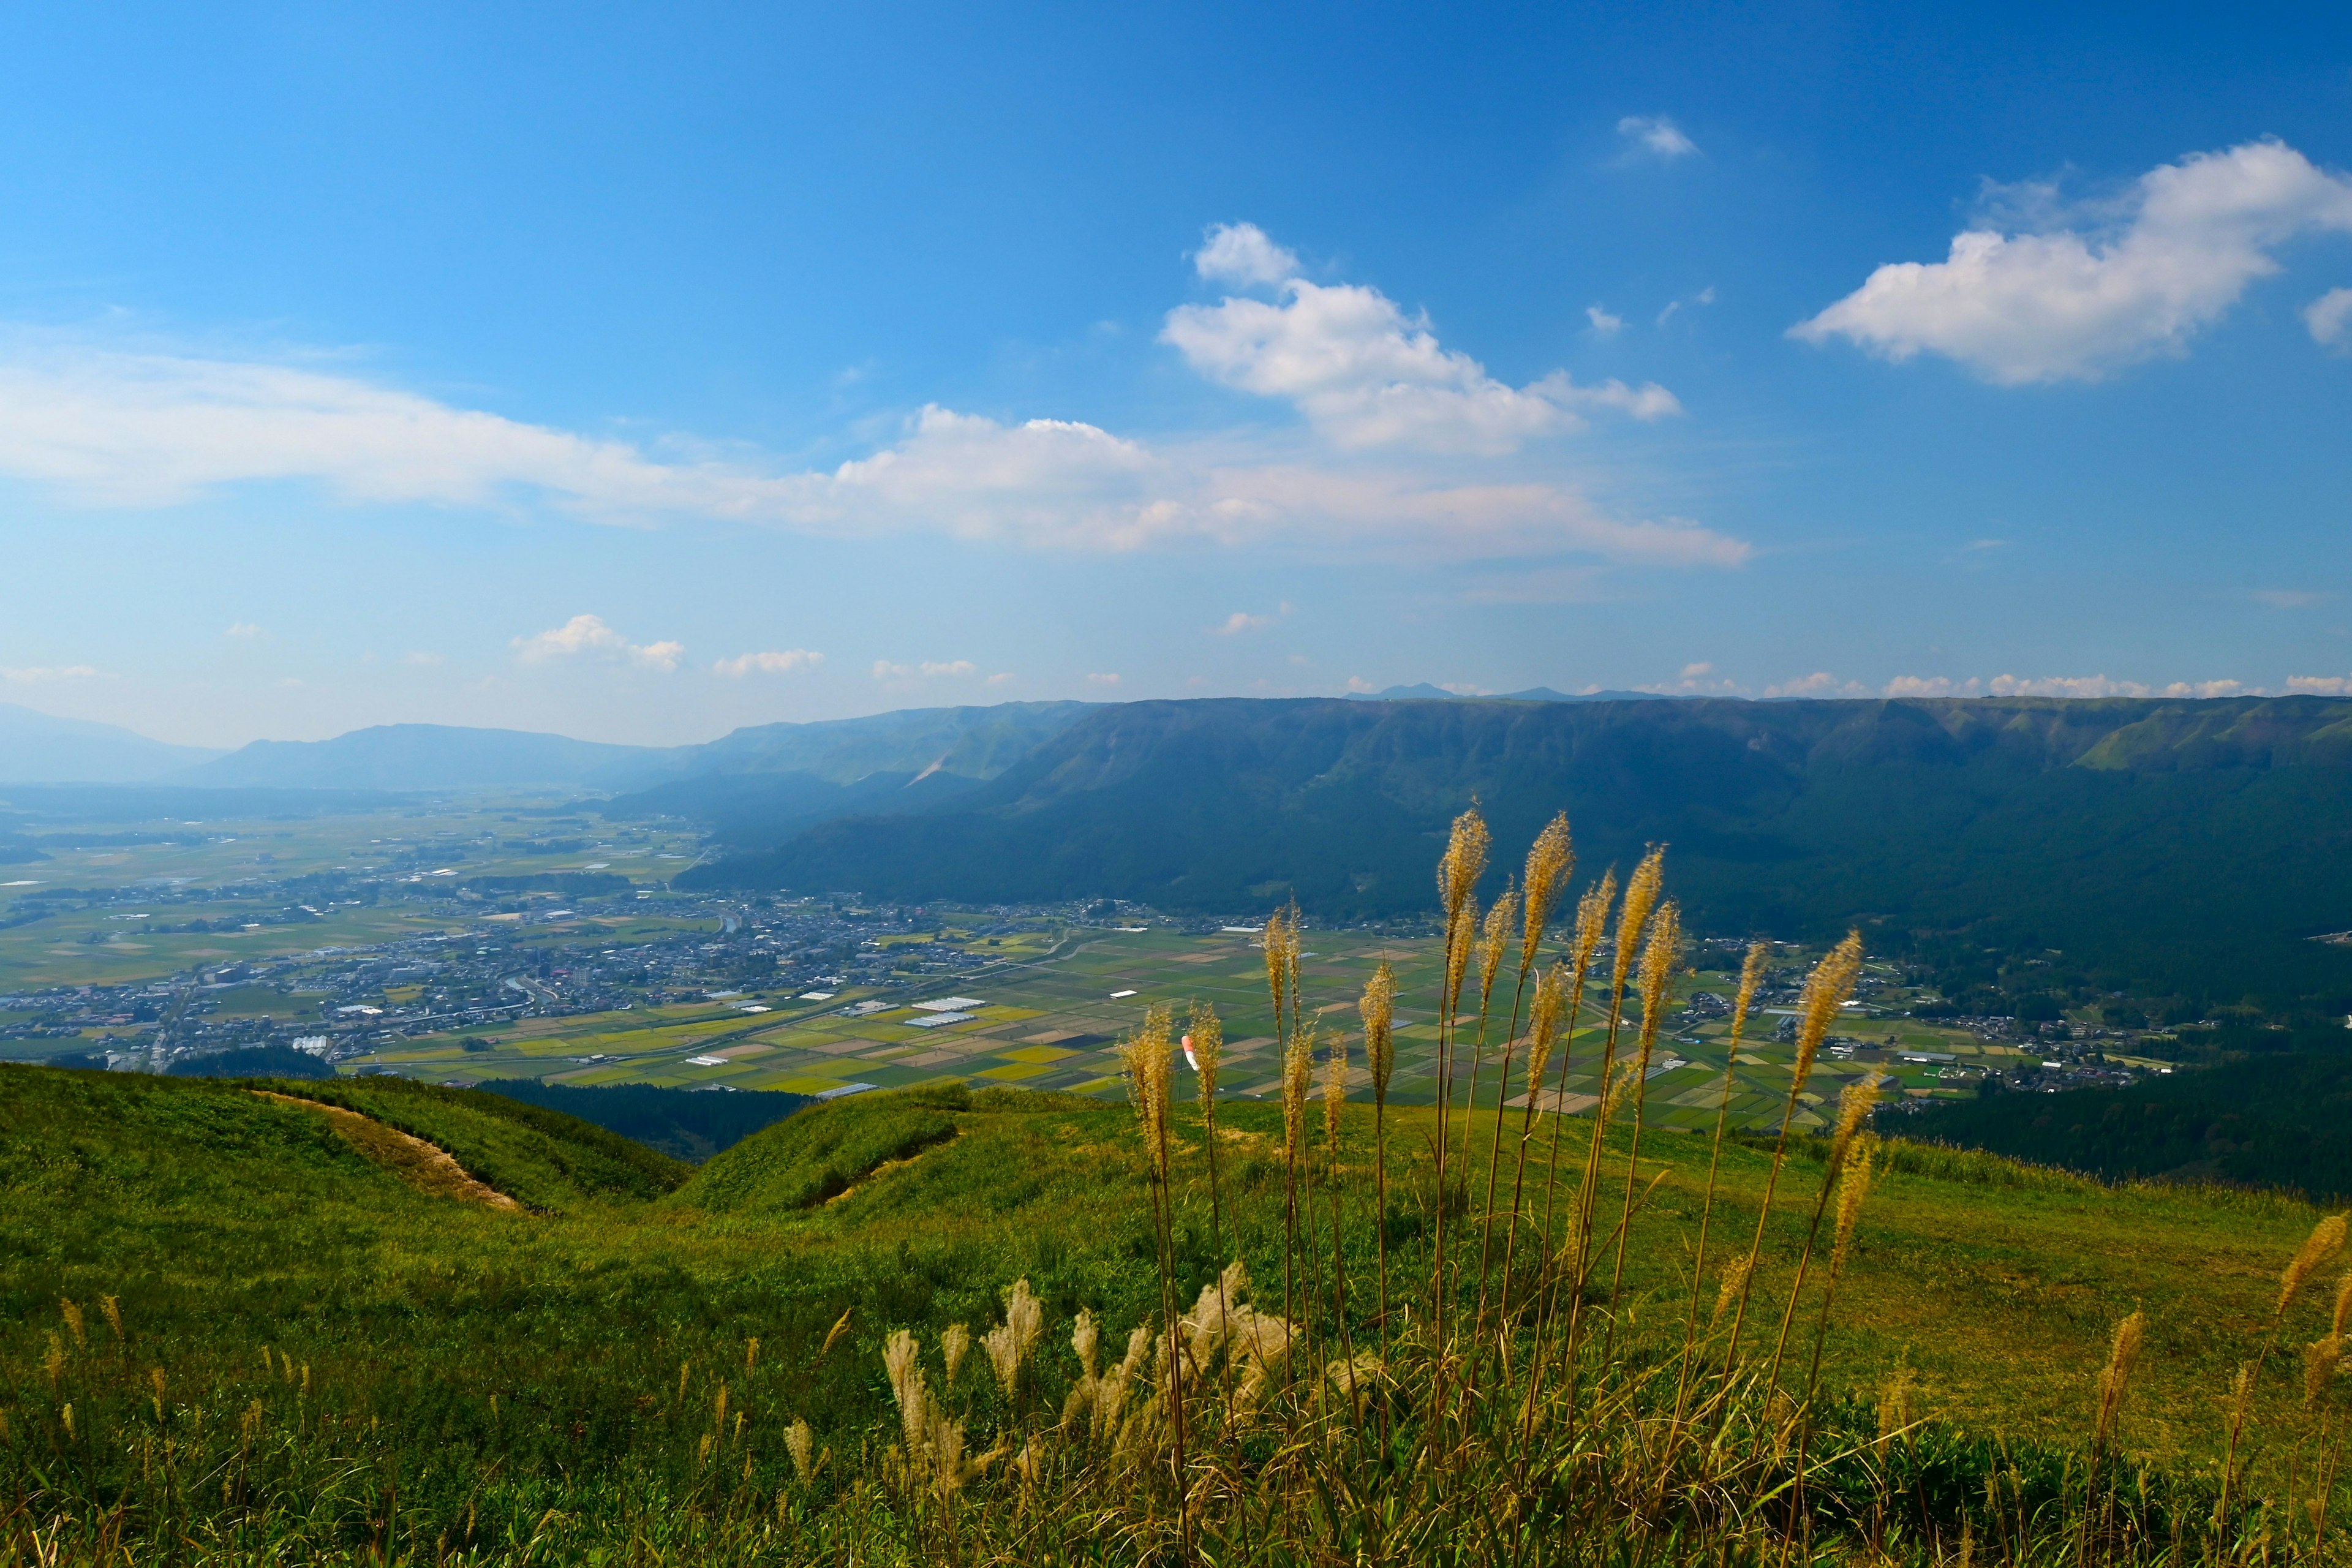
967, 742
2195, 842
1425, 693
41, 748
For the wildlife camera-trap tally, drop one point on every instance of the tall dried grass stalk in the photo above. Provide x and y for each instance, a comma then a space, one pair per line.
1751, 978
1377, 1008
1543, 1037
1825, 990
1458, 870
1591, 920
1661, 956
2114, 1378
1854, 1101
954, 1345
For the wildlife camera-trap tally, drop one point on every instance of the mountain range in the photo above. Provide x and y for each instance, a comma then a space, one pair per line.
2176, 847
2187, 846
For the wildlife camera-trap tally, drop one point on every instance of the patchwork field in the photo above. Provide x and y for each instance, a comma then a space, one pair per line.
1054, 1022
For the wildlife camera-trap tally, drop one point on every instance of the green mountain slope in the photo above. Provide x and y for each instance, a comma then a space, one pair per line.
2187, 847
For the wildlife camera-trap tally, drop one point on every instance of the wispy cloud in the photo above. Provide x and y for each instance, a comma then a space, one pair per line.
1703, 298
1388, 463
1103, 679
784, 661
2291, 598
2086, 290
1242, 621
43, 674
1604, 325
243, 629
1658, 135
885, 669
588, 634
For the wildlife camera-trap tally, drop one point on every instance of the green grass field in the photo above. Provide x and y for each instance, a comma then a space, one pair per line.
339, 1362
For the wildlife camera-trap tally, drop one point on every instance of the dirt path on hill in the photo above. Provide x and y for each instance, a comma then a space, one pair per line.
420, 1164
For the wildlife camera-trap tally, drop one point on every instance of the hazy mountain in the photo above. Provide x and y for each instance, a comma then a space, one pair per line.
39, 748
963, 743
971, 743
428, 757
2191, 844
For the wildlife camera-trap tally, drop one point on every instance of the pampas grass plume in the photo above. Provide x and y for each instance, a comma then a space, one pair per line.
1592, 918
1495, 939
1464, 862
1826, 990
1853, 1191
1207, 1032
2325, 1240
1552, 861
1543, 1023
954, 1345
1640, 896
1751, 976
1378, 1010
2122, 1356
1297, 1072
798, 1442
1660, 957
1335, 1090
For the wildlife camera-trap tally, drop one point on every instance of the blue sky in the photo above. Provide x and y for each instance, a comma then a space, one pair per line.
639, 373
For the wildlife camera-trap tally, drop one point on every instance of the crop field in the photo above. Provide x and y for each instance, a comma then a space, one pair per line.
123, 942
1050, 1015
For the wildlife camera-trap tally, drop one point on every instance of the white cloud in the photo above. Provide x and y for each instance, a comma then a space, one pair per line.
112, 429
1603, 324
1821, 683
1241, 621
590, 634
2097, 289
1365, 375
2329, 317
1656, 133
1704, 297
1001, 678
1357, 683
2291, 598
41, 675
884, 669
1242, 254
1111, 680
420, 659
1700, 679
243, 629
2069, 686
784, 661
2320, 685
1933, 685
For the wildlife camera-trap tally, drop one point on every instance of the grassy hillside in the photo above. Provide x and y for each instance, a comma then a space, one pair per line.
2181, 848
347, 1363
